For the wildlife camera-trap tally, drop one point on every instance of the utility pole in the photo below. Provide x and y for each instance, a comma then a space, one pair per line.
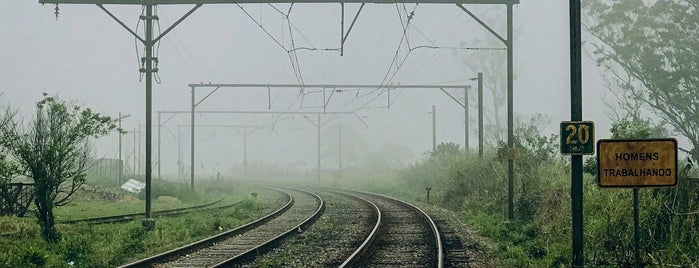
159, 125
245, 153
434, 128
576, 164
319, 125
466, 147
120, 170
179, 153
480, 115
135, 170
508, 42
339, 151
510, 120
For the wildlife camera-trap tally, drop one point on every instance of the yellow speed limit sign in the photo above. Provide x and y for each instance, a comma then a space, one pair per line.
577, 137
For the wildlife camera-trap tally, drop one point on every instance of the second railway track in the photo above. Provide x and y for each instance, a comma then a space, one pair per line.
243, 243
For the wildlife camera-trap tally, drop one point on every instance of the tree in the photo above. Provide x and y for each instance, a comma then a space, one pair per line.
648, 49
54, 151
8, 168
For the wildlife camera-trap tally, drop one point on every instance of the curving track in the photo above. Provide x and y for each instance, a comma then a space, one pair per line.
406, 237
245, 242
389, 233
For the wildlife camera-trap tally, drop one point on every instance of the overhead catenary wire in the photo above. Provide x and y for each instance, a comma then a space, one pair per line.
135, 42
189, 58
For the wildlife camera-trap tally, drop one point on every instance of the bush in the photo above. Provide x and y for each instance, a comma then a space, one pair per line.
77, 251
133, 242
32, 256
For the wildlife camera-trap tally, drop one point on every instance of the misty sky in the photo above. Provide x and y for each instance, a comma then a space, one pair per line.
87, 57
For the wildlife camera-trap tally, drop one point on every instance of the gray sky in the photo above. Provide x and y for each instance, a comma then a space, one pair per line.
87, 57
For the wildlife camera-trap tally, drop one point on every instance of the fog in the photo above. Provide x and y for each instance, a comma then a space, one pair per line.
87, 57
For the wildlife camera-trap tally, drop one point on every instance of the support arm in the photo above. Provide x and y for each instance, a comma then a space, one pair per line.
197, 6
345, 35
483, 24
121, 23
453, 98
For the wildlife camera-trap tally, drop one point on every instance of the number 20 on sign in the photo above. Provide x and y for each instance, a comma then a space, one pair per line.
577, 137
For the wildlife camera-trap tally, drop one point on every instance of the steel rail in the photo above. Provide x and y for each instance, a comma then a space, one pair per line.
428, 219
266, 246
369, 239
165, 256
132, 216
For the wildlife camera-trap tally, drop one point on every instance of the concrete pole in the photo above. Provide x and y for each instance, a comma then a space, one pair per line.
121, 165
339, 151
466, 147
318, 125
135, 171
434, 128
159, 125
179, 153
149, 101
480, 114
576, 163
510, 118
245, 153
191, 148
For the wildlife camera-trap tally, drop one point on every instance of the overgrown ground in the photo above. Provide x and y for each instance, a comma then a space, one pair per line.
109, 245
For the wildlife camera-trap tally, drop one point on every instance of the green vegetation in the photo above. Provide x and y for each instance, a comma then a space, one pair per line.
540, 234
109, 245
643, 48
53, 150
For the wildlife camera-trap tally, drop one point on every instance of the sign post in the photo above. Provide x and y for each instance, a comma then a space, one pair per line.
635, 164
577, 139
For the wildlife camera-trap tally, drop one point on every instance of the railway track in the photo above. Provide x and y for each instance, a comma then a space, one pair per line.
243, 243
405, 236
160, 213
361, 230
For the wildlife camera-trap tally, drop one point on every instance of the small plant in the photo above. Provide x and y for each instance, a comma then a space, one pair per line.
32, 257
134, 241
77, 251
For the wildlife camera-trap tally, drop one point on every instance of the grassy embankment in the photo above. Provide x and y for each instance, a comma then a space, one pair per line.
540, 234
108, 245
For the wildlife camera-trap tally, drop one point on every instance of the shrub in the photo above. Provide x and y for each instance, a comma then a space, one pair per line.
32, 256
134, 241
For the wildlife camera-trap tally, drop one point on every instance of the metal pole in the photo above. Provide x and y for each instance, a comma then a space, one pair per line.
339, 151
636, 240
434, 128
510, 120
159, 125
318, 119
480, 114
191, 145
149, 101
576, 172
245, 153
134, 152
121, 165
179, 153
466, 120
140, 141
